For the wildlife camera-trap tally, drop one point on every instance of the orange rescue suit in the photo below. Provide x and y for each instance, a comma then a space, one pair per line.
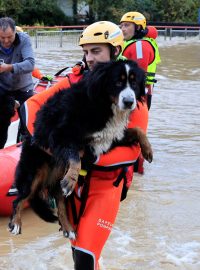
103, 198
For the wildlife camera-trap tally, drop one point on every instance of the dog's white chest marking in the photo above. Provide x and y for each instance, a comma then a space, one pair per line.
114, 130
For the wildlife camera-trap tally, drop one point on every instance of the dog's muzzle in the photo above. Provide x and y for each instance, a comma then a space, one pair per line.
128, 102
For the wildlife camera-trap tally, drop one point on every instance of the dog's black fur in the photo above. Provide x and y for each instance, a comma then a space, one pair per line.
66, 125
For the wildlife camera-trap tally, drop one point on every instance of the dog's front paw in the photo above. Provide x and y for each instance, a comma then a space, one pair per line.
147, 152
71, 235
68, 185
68, 233
14, 228
64, 186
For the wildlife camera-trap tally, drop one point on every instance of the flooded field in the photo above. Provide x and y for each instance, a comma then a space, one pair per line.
158, 226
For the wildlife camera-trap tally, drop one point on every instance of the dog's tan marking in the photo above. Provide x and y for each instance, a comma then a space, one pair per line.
16, 221
17, 105
62, 216
39, 181
137, 134
123, 77
71, 177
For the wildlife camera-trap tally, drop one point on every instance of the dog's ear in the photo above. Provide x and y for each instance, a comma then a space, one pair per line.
142, 81
97, 81
140, 75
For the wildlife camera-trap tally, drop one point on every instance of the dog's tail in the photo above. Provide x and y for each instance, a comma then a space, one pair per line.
42, 208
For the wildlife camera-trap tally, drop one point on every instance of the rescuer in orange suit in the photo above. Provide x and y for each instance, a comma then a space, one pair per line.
94, 204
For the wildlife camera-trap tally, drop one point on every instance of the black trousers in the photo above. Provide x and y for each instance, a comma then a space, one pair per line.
82, 260
7, 110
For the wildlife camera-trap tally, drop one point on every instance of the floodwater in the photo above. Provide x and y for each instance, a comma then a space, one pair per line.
158, 226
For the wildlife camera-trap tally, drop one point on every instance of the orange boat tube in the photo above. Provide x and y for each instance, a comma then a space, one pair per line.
9, 157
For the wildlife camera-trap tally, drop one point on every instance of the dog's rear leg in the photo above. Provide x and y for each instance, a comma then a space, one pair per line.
67, 228
15, 223
70, 179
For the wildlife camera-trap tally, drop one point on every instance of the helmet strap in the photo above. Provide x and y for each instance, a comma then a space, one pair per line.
114, 52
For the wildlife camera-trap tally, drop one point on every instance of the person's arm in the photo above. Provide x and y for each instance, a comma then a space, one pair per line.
123, 155
28, 61
6, 67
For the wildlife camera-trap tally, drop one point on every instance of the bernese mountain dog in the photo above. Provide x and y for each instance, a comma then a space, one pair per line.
89, 117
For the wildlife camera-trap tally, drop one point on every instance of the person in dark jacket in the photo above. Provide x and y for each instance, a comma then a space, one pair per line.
16, 66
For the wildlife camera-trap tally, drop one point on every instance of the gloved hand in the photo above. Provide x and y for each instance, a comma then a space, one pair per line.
78, 68
48, 78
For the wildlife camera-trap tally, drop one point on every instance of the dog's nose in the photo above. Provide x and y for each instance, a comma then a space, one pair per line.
128, 102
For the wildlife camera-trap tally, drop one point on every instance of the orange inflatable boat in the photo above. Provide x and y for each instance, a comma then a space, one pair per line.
9, 157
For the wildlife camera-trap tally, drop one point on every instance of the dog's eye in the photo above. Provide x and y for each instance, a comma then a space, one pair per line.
132, 77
